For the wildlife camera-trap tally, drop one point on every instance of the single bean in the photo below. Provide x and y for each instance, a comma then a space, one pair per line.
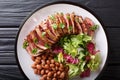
33, 58
52, 61
33, 66
58, 73
42, 72
43, 57
49, 74
56, 68
48, 78
44, 77
52, 65
55, 75
54, 79
61, 65
35, 71
48, 62
37, 61
62, 75
43, 62
46, 71
38, 58
46, 66
57, 64
61, 69
39, 67
50, 58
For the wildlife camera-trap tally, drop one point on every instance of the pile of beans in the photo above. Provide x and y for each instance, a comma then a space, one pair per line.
49, 69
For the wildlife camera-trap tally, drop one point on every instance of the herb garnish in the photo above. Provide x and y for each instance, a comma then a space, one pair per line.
94, 27
68, 17
62, 25
70, 28
43, 34
54, 26
25, 44
47, 45
34, 51
52, 17
35, 40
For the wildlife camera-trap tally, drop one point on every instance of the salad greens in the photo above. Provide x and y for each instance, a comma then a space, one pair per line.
79, 53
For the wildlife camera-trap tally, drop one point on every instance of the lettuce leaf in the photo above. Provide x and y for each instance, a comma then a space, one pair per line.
94, 62
73, 70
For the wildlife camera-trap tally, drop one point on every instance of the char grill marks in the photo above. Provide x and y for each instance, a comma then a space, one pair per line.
49, 31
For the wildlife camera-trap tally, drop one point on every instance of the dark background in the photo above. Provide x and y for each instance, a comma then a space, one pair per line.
13, 12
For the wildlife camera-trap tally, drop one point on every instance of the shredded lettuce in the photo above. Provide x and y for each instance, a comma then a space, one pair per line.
75, 49
73, 70
94, 62
60, 57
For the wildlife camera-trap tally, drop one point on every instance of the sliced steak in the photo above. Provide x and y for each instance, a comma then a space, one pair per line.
83, 25
63, 22
53, 27
38, 42
72, 18
60, 24
78, 27
89, 23
33, 47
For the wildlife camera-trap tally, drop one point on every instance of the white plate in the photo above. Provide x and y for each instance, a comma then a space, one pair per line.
24, 59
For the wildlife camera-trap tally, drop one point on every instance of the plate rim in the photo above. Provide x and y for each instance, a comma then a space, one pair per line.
60, 2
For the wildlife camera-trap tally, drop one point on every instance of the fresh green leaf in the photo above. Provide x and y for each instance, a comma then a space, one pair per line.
61, 13
70, 28
47, 45
68, 17
52, 17
43, 34
77, 19
81, 55
25, 44
73, 70
54, 26
62, 25
60, 57
87, 38
94, 27
35, 40
56, 58
82, 66
34, 51
94, 62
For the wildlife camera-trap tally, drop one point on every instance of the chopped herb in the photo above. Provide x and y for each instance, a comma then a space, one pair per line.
47, 45
77, 19
52, 17
54, 26
62, 25
70, 28
35, 40
25, 44
61, 13
94, 27
43, 34
34, 51
68, 17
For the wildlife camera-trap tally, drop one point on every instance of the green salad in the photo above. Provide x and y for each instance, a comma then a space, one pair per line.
79, 53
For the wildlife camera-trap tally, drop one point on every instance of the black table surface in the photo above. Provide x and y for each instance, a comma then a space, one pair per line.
13, 12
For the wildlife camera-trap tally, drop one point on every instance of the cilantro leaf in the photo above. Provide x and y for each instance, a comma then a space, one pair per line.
34, 51
43, 34
25, 44
62, 25
94, 27
54, 26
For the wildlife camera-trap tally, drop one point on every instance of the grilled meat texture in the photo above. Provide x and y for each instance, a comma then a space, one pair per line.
49, 31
